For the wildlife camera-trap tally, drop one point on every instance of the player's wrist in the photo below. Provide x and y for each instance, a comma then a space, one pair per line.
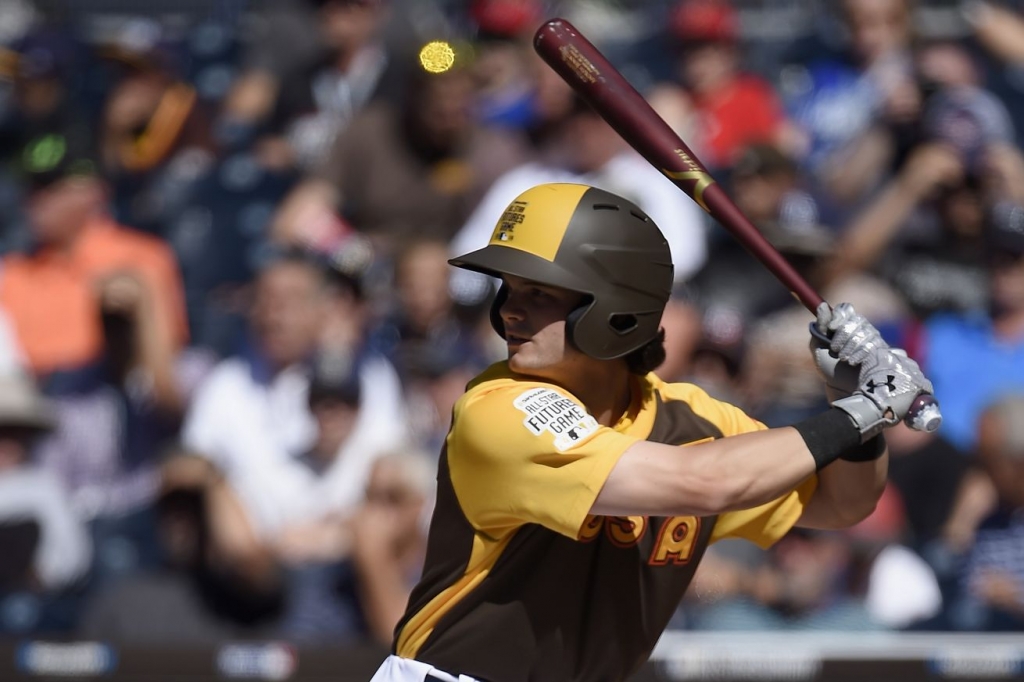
828, 436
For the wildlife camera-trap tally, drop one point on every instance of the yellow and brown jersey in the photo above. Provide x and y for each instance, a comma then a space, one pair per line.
520, 582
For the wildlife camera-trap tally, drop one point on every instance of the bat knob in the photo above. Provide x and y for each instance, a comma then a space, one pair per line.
924, 414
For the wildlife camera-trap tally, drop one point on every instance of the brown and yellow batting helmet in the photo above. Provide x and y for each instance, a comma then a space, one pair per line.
590, 241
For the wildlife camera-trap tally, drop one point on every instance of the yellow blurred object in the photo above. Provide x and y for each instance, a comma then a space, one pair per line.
153, 144
437, 56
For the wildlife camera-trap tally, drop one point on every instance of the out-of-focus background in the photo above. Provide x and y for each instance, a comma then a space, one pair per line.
230, 341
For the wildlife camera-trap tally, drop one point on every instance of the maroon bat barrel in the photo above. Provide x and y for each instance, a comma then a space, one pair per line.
583, 67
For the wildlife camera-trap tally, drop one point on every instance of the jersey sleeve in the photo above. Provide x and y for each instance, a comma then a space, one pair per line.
766, 524
529, 454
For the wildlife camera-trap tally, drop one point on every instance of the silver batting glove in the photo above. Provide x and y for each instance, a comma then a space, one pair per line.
892, 381
841, 378
881, 383
851, 337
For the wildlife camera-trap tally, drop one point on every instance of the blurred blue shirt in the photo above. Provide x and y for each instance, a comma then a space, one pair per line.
970, 368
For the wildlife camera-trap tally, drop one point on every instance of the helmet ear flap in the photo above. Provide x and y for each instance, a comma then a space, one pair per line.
571, 320
495, 314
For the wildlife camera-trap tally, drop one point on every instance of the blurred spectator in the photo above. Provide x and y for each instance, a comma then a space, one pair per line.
853, 107
339, 462
280, 39
928, 472
97, 310
315, 549
208, 587
435, 377
80, 259
732, 289
998, 28
362, 593
251, 417
338, 465
803, 583
720, 109
153, 136
390, 537
424, 311
719, 357
900, 589
976, 356
434, 343
46, 545
42, 68
219, 230
925, 231
992, 580
504, 61
314, 96
862, 579
317, 102
45, 98
417, 170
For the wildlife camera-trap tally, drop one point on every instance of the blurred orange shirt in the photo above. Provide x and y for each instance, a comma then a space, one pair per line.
52, 300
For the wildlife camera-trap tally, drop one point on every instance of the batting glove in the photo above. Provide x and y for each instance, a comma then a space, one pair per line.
887, 380
841, 378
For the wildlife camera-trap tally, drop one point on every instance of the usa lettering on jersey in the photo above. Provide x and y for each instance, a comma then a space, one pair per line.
548, 410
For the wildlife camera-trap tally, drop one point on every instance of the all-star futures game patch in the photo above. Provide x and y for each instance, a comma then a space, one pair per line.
549, 410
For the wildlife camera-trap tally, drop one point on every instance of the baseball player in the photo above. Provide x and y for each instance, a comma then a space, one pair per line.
569, 521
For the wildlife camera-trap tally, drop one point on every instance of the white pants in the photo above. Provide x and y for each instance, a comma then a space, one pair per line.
395, 669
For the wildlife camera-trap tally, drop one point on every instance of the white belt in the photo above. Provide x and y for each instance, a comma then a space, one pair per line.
397, 669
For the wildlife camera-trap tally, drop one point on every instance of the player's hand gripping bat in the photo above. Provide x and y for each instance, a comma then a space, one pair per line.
583, 67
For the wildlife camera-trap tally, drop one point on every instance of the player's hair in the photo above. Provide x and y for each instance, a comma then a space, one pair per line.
647, 357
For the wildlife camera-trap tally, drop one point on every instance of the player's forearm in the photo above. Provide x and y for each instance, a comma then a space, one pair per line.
723, 475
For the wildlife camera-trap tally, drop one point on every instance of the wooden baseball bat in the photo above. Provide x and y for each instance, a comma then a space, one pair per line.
592, 76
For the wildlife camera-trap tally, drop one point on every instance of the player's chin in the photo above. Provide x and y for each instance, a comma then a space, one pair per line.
520, 362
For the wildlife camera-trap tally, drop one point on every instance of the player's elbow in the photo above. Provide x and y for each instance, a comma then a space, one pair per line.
861, 506
849, 514
860, 512
849, 510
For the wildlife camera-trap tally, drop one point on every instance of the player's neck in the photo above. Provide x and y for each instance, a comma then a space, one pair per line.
605, 392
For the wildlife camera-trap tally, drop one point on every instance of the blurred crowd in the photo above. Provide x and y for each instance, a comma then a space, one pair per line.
230, 342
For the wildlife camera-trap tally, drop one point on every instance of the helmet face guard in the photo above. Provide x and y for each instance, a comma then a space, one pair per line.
594, 243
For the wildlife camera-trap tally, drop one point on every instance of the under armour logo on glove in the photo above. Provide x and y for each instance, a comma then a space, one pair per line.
889, 384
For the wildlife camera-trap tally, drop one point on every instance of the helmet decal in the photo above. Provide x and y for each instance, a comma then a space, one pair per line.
537, 219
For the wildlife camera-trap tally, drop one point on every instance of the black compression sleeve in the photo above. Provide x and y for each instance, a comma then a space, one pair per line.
829, 436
